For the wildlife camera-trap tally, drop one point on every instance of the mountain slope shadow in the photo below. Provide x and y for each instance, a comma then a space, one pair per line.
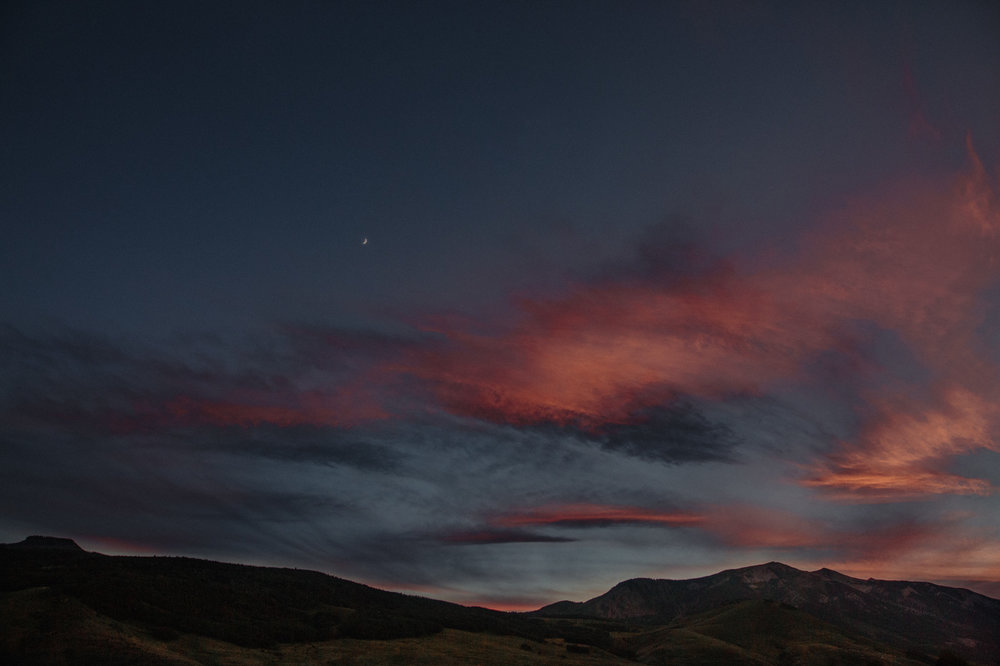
921, 619
254, 607
60, 604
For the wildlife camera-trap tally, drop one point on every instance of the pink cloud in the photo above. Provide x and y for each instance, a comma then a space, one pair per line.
913, 260
584, 515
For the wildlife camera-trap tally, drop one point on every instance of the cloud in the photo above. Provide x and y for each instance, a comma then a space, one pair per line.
944, 550
855, 369
595, 515
494, 536
595, 357
881, 309
902, 453
672, 433
919, 263
749, 526
292, 444
335, 408
99, 385
172, 502
919, 126
888, 295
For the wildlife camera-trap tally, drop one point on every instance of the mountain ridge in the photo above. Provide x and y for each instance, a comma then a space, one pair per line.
919, 613
760, 614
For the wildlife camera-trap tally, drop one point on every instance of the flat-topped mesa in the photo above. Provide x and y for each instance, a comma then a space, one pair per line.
46, 543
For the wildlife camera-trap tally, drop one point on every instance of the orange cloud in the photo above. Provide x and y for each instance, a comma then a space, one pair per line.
900, 454
596, 355
940, 554
756, 527
919, 266
341, 408
913, 261
584, 515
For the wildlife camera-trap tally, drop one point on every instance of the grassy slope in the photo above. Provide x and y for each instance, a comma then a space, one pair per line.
42, 626
757, 632
85, 608
250, 606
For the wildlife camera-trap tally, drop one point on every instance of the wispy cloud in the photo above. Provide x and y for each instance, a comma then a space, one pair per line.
595, 515
493, 536
386, 451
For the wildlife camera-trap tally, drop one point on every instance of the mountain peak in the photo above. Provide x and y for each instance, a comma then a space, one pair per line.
768, 570
776, 567
921, 616
830, 574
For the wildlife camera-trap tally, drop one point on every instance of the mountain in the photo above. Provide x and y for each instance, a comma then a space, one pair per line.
62, 605
920, 617
756, 632
64, 596
44, 543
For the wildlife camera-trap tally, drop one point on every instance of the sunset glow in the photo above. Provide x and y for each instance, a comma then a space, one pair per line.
651, 290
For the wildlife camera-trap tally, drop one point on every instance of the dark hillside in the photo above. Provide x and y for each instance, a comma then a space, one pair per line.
922, 618
254, 606
60, 604
756, 633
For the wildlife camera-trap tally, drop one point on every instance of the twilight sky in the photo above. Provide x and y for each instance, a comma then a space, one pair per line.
649, 289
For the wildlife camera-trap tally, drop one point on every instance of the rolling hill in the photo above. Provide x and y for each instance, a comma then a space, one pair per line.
920, 617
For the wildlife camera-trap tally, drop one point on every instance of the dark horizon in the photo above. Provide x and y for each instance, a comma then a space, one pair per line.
48, 542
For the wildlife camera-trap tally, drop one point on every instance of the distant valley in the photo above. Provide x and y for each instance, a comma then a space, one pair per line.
62, 605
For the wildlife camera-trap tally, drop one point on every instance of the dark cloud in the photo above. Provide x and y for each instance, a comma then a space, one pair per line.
589, 515
588, 523
493, 536
100, 385
674, 433
296, 444
672, 253
288, 396
69, 485
665, 428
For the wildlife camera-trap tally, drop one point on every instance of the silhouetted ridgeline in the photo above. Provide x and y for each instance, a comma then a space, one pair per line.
921, 617
45, 543
63, 605
245, 605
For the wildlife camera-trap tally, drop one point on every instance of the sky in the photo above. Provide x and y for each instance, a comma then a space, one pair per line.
505, 302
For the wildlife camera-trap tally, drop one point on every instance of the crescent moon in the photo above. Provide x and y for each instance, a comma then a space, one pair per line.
364, 242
